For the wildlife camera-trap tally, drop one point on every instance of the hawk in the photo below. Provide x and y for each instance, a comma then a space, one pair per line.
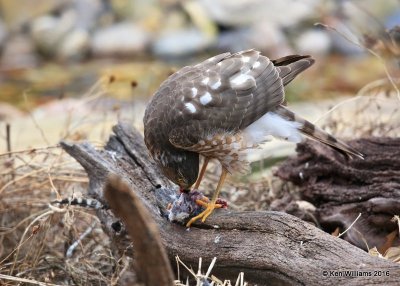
220, 109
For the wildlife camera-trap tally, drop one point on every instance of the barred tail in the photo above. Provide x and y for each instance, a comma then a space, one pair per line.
82, 202
310, 130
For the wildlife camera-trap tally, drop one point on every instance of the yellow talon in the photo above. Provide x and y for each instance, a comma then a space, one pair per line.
210, 205
203, 203
204, 214
208, 212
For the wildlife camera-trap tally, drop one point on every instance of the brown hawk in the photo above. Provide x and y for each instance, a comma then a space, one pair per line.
222, 108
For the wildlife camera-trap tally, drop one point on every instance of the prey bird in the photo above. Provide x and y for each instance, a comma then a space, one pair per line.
221, 109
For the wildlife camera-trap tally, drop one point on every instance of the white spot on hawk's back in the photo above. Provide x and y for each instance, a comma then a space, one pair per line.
194, 91
189, 106
206, 98
205, 80
216, 85
245, 59
242, 80
256, 65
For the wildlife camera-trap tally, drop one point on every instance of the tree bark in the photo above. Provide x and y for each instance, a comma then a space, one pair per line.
271, 248
341, 189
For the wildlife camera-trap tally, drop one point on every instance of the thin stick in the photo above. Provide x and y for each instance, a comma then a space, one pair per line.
210, 267
74, 245
27, 175
340, 234
8, 137
29, 150
23, 280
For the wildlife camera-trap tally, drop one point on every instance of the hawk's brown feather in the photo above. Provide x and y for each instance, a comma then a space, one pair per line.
224, 97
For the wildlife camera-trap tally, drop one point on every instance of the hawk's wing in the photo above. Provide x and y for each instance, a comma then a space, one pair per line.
227, 93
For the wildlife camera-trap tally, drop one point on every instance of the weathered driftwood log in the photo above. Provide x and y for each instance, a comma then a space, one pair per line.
271, 248
340, 189
151, 264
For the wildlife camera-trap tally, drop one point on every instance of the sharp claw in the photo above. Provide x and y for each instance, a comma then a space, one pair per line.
205, 214
192, 220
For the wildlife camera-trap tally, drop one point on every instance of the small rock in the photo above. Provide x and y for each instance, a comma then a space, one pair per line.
282, 13
314, 42
234, 40
119, 39
276, 45
181, 42
17, 13
234, 13
48, 32
18, 52
88, 12
253, 37
74, 46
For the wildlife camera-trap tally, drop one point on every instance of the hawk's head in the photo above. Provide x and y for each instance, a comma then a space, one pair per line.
181, 167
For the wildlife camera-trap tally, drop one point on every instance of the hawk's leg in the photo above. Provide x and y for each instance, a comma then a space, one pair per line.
211, 205
202, 172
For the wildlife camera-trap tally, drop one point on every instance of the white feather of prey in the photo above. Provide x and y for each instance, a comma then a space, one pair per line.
271, 124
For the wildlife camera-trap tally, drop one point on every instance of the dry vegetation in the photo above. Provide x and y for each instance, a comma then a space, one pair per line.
45, 244
37, 239
42, 244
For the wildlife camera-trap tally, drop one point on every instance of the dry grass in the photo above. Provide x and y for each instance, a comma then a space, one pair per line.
45, 245
206, 278
36, 237
41, 244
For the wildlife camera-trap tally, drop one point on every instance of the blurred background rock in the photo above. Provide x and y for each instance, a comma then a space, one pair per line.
75, 30
56, 49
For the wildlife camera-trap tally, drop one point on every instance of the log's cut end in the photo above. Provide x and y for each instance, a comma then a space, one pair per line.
341, 189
